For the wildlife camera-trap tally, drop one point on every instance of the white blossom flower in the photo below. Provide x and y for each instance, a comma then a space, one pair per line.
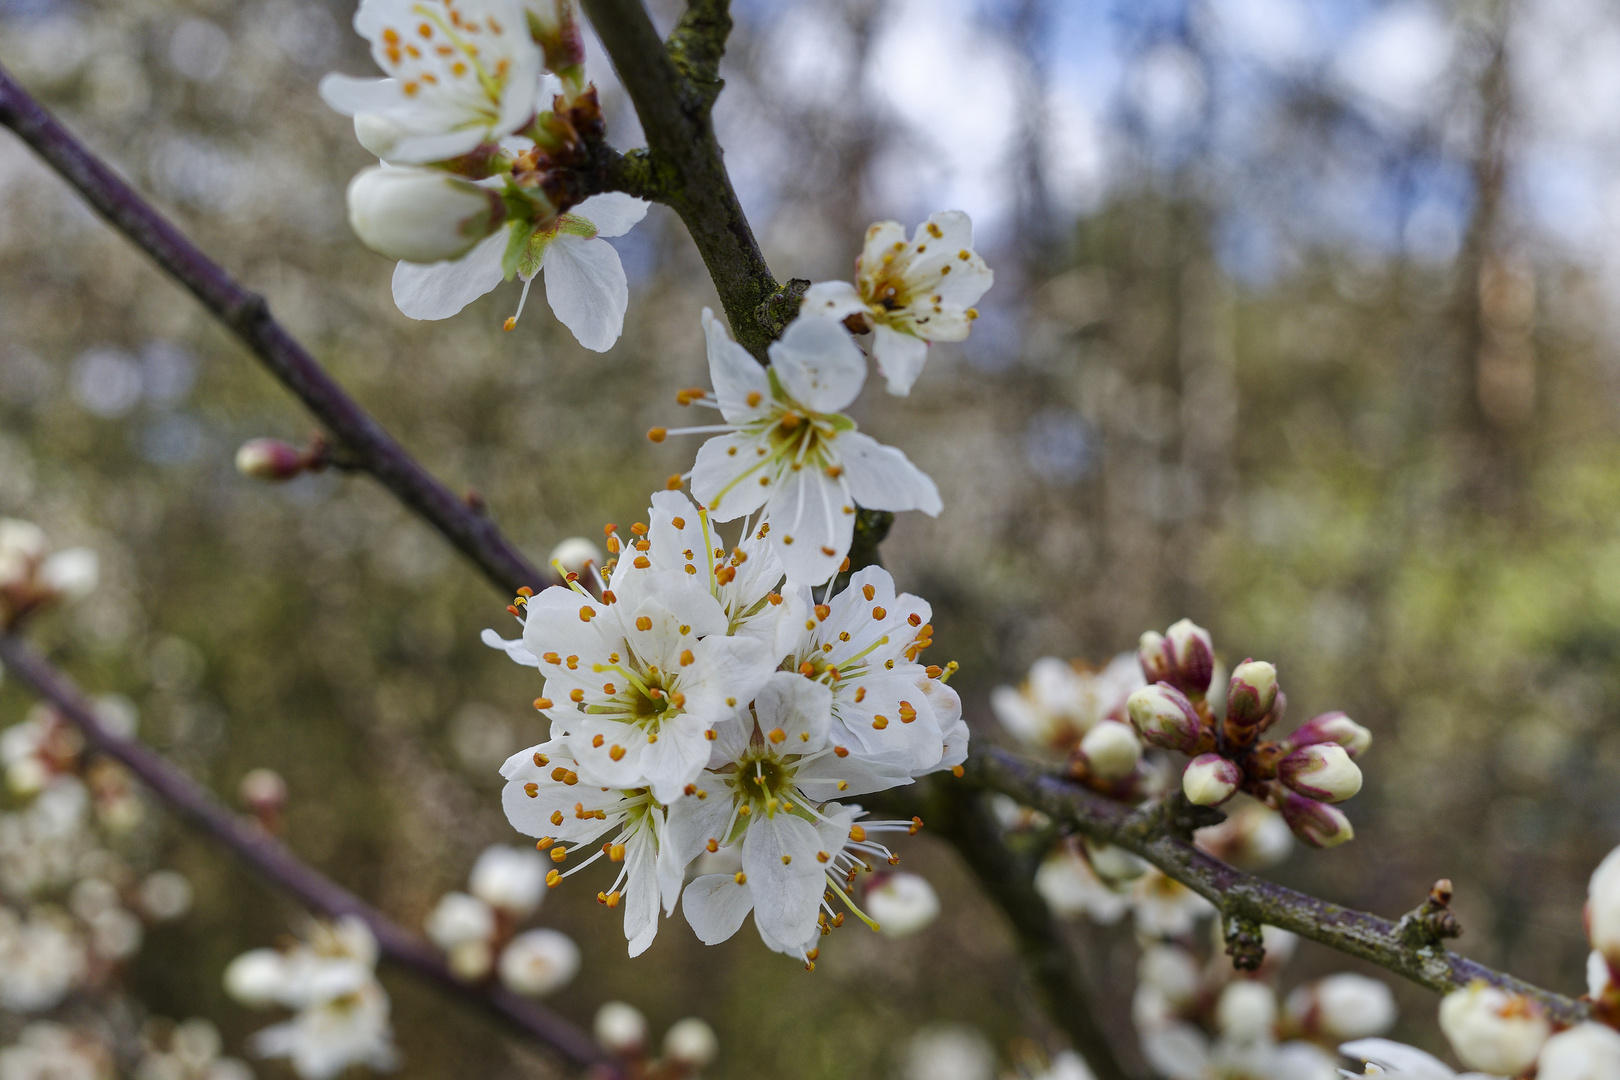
32, 575
1069, 885
1384, 1057
767, 789
585, 282
460, 73
787, 449
1586, 1051
1493, 1030
863, 645
1060, 703
1165, 908
341, 1009
50, 1051
635, 686
1246, 1011
545, 798
421, 215
510, 879
1253, 836
909, 293
902, 904
538, 962
41, 959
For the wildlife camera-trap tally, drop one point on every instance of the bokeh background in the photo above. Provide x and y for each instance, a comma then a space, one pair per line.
1302, 328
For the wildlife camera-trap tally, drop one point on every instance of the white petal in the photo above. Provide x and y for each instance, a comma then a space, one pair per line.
900, 357
722, 480
716, 906
613, 213
435, 146
640, 895
348, 95
1401, 1060
832, 299
812, 524
819, 364
735, 374
787, 895
859, 774
439, 290
882, 478
513, 647
694, 822
586, 287
518, 100
798, 707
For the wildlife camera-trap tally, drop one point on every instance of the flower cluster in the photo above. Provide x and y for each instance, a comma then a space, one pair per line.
700, 701
330, 983
1069, 709
1301, 776
33, 576
482, 115
478, 929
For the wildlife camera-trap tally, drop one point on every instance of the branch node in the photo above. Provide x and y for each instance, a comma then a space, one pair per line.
782, 306
1182, 817
1245, 941
696, 45
246, 314
1431, 922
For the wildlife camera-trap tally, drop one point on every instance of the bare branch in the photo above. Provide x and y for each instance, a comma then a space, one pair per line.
271, 859
248, 316
1145, 832
690, 176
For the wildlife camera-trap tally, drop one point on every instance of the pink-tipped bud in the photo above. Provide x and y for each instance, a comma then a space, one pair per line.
1210, 780
1321, 771
270, 459
1111, 750
1183, 656
1316, 823
1251, 695
1163, 716
1332, 727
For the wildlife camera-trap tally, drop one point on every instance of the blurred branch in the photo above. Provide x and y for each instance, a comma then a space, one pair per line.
248, 316
1147, 832
673, 89
271, 859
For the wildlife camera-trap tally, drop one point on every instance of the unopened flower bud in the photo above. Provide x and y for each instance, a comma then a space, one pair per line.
573, 555
164, 895
270, 459
1114, 865
554, 25
902, 904
1209, 780
459, 918
1192, 652
1316, 823
1342, 1007
263, 791
1154, 657
510, 879
71, 574
1332, 727
1603, 908
620, 1028
420, 215
1163, 716
1492, 1030
1322, 771
470, 960
1246, 1011
691, 1042
1251, 694
1112, 750
1586, 1051
257, 978
538, 962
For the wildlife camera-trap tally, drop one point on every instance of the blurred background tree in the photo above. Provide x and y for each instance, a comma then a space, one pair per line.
1301, 329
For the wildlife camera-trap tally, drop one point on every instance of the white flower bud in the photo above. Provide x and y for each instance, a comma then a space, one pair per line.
263, 791
1321, 771
1332, 727
575, 554
1603, 907
270, 459
1492, 1030
458, 919
116, 933
257, 978
1586, 1051
1163, 716
620, 1028
164, 895
1172, 971
1316, 823
1251, 693
419, 215
1343, 1007
470, 960
538, 962
22, 545
902, 904
1192, 651
509, 878
72, 573
1112, 750
1114, 864
1209, 780
1071, 888
1246, 1011
1598, 976
691, 1042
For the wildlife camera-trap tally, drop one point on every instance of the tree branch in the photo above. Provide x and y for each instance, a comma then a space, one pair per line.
248, 316
1144, 832
690, 176
271, 859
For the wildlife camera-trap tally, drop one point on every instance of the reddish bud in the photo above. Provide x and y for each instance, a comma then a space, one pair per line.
1209, 780
1332, 727
1316, 823
1163, 716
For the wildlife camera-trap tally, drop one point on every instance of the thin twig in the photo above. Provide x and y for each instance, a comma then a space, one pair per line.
248, 316
271, 859
1239, 895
